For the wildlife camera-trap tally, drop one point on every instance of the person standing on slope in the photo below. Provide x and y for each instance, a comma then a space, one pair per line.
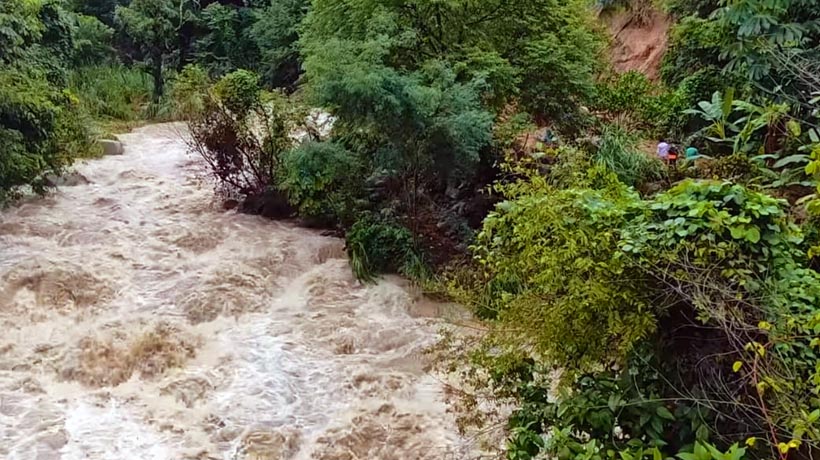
663, 150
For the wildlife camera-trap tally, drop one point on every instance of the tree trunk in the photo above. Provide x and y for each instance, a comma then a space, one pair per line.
184, 44
159, 82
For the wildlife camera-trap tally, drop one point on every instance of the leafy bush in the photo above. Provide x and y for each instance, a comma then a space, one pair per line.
654, 108
555, 270
42, 129
189, 92
624, 93
320, 179
651, 308
92, 42
378, 244
41, 125
618, 154
239, 92
738, 267
415, 125
694, 45
616, 411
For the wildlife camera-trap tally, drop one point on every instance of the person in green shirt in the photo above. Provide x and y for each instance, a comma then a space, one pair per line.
691, 152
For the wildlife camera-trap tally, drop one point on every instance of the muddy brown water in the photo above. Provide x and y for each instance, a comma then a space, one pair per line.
141, 321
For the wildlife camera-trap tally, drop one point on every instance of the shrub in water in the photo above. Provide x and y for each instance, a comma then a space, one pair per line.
320, 179
240, 132
379, 245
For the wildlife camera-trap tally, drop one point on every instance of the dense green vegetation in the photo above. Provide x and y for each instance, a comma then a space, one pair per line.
634, 308
74, 70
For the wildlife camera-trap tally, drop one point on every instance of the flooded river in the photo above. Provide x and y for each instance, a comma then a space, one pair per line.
141, 321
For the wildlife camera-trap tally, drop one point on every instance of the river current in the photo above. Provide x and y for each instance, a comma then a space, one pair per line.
141, 321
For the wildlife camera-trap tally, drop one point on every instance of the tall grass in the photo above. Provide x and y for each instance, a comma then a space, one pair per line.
113, 92
619, 154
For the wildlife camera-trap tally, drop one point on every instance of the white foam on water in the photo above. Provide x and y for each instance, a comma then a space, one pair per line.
125, 435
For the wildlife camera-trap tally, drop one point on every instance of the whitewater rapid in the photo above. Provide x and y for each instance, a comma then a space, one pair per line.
141, 321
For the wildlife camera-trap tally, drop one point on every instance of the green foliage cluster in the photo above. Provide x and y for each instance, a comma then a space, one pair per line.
154, 25
112, 92
378, 244
761, 144
225, 46
555, 270
659, 110
765, 43
239, 92
425, 123
92, 42
320, 179
546, 58
695, 45
219, 36
41, 126
276, 34
684, 324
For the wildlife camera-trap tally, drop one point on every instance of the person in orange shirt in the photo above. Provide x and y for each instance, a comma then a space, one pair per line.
672, 157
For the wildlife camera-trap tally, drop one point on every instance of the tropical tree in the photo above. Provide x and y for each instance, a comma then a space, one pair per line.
760, 27
227, 45
276, 34
154, 25
543, 52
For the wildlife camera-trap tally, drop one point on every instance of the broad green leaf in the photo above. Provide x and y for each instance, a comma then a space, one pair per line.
663, 412
753, 235
728, 100
791, 159
794, 128
702, 433
737, 232
814, 136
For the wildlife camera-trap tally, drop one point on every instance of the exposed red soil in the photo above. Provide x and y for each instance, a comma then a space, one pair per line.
638, 44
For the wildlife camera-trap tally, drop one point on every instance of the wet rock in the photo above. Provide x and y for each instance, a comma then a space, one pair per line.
269, 445
189, 391
111, 147
11, 405
271, 204
227, 434
66, 180
55, 441
230, 204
